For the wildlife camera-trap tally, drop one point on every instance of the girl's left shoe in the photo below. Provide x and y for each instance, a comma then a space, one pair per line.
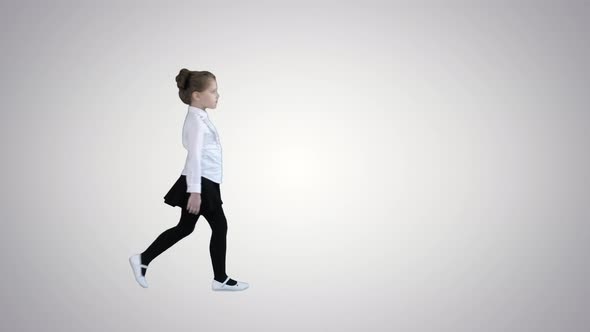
136, 266
222, 286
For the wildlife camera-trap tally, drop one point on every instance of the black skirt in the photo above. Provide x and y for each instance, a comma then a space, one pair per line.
210, 194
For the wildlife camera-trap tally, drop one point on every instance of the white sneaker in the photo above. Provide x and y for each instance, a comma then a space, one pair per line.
136, 265
222, 286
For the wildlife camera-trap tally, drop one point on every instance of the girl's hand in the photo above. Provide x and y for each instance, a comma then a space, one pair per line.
194, 203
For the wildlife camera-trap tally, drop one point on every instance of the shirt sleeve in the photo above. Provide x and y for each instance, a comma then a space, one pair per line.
194, 137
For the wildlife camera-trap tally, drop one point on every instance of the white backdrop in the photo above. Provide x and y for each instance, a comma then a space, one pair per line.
386, 167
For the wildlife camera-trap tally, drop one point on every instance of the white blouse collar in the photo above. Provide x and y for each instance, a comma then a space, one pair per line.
202, 113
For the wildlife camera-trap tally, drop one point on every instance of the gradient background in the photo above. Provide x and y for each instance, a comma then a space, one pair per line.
387, 167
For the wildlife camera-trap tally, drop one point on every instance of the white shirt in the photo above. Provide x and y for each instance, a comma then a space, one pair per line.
200, 139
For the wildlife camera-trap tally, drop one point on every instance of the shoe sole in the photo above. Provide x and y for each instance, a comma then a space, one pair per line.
229, 289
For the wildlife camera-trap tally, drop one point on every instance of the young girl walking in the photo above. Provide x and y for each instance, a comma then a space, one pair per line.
197, 190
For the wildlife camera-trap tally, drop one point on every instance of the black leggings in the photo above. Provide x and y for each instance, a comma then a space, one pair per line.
186, 225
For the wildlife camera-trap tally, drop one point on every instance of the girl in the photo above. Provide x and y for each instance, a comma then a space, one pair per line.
196, 191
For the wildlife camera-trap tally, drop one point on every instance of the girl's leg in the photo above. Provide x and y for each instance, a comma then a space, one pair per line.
218, 244
169, 237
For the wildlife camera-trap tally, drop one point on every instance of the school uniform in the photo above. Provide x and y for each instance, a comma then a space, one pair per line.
203, 168
202, 173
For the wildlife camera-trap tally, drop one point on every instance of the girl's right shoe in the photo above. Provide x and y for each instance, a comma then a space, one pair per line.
136, 266
222, 286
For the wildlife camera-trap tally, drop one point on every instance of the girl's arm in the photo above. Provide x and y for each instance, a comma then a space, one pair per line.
194, 136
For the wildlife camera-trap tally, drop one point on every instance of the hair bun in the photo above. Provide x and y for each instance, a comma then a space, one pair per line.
186, 80
182, 78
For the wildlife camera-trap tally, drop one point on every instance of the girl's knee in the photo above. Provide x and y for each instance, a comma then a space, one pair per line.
219, 225
185, 229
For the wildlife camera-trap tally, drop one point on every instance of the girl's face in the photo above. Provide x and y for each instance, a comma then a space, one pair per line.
209, 97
